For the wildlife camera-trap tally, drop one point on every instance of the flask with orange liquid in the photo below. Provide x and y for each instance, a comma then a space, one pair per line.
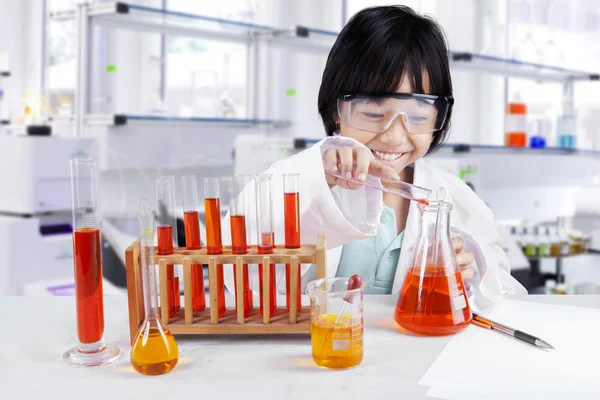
433, 299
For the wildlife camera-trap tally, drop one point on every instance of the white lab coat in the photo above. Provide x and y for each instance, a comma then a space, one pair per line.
348, 215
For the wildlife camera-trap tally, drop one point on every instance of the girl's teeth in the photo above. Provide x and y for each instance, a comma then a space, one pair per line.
387, 156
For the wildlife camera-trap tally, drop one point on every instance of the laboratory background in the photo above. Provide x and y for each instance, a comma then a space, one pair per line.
154, 89
189, 93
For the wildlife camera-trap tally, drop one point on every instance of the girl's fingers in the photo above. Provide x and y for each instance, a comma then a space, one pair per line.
330, 161
464, 259
361, 165
467, 274
458, 243
383, 171
346, 161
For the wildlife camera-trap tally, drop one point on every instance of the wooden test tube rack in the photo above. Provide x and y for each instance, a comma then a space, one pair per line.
189, 322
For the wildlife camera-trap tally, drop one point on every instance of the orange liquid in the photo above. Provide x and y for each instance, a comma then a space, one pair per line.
165, 247
238, 234
87, 255
266, 247
291, 204
336, 345
239, 246
214, 245
433, 304
515, 139
192, 240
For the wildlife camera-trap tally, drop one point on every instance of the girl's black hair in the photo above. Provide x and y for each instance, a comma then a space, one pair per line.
375, 49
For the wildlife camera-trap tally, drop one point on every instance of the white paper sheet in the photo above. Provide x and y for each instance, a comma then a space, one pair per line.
479, 363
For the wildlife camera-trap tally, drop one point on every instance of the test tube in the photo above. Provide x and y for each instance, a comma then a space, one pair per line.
265, 235
291, 213
214, 244
87, 257
239, 234
167, 235
192, 238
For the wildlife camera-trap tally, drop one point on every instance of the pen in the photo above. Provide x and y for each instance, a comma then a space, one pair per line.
520, 335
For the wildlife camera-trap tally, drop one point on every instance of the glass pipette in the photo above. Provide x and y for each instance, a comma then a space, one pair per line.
399, 188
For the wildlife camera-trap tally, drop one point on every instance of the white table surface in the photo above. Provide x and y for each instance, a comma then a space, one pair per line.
35, 331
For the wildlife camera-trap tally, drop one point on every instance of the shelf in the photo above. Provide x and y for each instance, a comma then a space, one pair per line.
516, 68
156, 20
124, 119
150, 19
469, 148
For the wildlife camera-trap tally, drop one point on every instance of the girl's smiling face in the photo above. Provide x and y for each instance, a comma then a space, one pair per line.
395, 147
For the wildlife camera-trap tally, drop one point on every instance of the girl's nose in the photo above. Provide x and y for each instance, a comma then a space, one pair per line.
396, 134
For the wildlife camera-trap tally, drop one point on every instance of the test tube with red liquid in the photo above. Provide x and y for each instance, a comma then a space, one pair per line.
291, 213
265, 235
167, 236
192, 238
214, 244
87, 257
240, 236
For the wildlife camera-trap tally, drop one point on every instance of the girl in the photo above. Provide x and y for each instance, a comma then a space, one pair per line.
385, 101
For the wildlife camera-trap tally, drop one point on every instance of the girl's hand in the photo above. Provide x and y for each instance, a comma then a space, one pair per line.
463, 259
353, 163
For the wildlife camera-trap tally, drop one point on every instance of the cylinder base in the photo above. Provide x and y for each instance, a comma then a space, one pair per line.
92, 355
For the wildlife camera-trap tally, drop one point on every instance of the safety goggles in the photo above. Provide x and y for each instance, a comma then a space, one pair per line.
375, 112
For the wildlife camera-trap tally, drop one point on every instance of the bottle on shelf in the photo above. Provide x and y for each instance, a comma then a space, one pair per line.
543, 245
530, 244
554, 243
538, 139
515, 123
566, 126
561, 288
550, 286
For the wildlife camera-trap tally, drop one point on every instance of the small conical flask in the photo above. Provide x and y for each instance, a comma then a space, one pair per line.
433, 299
154, 351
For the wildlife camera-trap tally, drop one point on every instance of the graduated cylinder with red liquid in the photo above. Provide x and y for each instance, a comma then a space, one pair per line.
87, 257
192, 238
167, 236
214, 243
291, 213
433, 299
240, 236
266, 243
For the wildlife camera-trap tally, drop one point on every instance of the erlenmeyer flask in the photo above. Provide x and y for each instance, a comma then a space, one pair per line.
433, 299
154, 351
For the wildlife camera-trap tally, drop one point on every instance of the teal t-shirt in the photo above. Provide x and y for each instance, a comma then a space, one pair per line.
375, 259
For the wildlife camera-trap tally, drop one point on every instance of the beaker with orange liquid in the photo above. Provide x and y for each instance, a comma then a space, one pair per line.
433, 299
336, 325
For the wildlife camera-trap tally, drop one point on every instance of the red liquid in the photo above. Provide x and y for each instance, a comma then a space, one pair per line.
88, 285
439, 307
214, 245
238, 234
291, 204
423, 201
165, 247
192, 240
239, 246
266, 247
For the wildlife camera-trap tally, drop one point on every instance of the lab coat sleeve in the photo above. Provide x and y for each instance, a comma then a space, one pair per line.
343, 215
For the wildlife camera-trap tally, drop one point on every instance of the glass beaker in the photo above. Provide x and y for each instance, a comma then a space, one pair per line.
154, 351
433, 299
336, 323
